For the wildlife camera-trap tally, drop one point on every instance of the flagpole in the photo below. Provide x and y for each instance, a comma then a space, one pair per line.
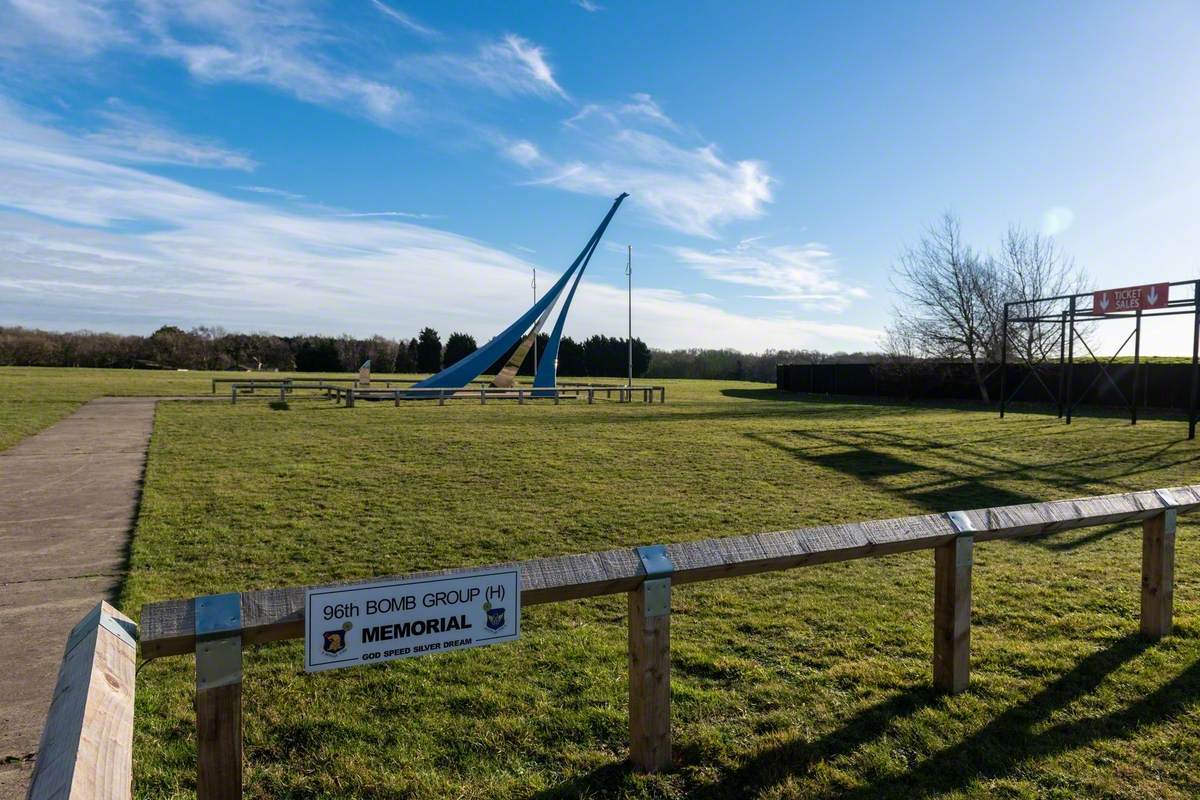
535, 332
629, 275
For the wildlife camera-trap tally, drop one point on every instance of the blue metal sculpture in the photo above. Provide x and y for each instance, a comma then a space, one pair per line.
463, 372
546, 376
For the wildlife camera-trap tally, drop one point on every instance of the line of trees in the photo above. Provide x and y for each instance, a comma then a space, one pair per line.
171, 347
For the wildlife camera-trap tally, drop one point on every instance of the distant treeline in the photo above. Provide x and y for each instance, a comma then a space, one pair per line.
215, 349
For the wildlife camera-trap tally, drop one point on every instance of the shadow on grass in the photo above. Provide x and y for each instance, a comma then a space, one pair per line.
763, 394
1007, 743
1019, 734
1088, 411
964, 473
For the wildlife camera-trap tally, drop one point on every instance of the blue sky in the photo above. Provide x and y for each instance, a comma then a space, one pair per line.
376, 166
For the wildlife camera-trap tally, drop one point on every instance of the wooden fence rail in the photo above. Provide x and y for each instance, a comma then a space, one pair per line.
348, 394
169, 627
227, 623
273, 382
625, 394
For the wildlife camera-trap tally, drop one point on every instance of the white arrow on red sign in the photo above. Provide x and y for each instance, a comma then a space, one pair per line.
1131, 298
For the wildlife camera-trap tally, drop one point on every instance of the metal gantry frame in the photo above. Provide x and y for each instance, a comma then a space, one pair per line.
1031, 312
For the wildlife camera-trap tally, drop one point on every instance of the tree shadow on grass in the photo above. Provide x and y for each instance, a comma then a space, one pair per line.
1018, 735
1006, 743
964, 474
764, 394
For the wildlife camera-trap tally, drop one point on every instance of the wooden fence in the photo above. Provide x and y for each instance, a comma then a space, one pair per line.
348, 394
217, 628
87, 745
625, 394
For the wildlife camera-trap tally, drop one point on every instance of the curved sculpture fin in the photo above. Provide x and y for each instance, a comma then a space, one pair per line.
459, 374
547, 369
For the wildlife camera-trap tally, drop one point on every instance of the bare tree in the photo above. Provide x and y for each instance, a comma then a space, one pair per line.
953, 301
1033, 266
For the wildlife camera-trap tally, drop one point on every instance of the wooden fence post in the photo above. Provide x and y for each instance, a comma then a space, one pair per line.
952, 614
1158, 574
650, 664
86, 749
219, 697
350, 398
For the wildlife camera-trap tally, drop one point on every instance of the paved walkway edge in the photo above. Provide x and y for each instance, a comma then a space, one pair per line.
69, 499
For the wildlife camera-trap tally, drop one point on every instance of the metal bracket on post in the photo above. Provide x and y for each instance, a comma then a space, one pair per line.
657, 585
218, 640
961, 522
126, 632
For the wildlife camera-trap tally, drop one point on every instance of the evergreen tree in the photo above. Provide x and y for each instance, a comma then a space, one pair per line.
458, 347
406, 361
429, 351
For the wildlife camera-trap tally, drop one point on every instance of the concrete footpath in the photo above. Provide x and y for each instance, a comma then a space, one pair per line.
68, 502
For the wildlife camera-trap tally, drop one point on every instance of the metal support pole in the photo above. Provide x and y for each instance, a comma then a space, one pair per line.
1062, 362
1003, 360
1195, 363
535, 335
1070, 356
629, 275
1137, 357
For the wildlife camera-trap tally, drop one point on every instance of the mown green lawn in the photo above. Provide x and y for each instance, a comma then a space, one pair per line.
807, 684
33, 398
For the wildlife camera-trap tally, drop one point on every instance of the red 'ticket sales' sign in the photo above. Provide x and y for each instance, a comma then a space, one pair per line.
1134, 298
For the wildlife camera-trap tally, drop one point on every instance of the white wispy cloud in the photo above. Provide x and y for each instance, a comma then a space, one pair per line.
640, 107
75, 29
523, 152
803, 274
270, 190
400, 17
276, 44
511, 65
690, 189
589, 6
87, 242
404, 214
270, 43
133, 135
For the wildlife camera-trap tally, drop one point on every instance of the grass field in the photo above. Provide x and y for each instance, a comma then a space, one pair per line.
806, 684
31, 398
